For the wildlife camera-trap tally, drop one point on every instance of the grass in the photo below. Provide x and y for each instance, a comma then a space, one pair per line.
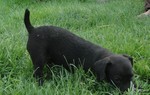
113, 24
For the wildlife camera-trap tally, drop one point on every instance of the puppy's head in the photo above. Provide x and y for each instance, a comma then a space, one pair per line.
117, 69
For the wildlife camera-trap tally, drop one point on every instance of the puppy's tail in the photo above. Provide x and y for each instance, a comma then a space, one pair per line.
27, 21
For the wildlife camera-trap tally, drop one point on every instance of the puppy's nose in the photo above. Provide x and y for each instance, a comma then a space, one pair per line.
126, 86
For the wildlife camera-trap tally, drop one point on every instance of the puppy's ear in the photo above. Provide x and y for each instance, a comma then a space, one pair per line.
129, 57
99, 68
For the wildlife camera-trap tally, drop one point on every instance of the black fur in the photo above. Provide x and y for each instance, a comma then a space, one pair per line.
27, 21
50, 44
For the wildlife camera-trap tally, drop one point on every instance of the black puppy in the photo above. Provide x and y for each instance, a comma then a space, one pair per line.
50, 44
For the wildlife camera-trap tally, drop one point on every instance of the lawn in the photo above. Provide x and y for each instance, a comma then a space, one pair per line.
113, 24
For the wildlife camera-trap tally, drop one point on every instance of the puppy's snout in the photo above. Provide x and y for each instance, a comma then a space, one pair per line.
127, 86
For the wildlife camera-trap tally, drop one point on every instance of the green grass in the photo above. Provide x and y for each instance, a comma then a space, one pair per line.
113, 25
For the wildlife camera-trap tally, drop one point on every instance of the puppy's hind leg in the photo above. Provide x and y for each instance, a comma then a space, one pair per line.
49, 65
38, 70
39, 62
